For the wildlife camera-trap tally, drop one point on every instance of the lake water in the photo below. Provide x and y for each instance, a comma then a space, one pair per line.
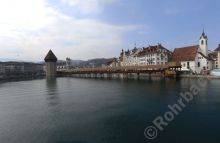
74, 110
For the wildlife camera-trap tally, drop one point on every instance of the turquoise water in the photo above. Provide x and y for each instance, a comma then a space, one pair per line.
74, 110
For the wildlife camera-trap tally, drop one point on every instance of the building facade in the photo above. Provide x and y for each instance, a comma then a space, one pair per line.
217, 55
151, 55
154, 55
10, 68
218, 60
2, 68
129, 58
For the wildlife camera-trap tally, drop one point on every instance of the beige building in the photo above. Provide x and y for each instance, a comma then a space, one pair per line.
129, 57
217, 51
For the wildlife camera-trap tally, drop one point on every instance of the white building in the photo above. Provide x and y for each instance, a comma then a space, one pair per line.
195, 59
113, 63
151, 55
129, 58
154, 55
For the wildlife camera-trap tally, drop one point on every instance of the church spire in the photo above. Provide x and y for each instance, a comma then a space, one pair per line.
203, 36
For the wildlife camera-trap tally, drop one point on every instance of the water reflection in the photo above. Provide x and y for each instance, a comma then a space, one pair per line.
52, 91
100, 111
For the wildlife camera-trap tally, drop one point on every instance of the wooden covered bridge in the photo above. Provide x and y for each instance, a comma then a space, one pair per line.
171, 69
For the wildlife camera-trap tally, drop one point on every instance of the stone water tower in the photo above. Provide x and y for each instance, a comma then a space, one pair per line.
51, 68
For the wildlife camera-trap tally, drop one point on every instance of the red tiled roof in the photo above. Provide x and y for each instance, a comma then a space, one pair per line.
150, 49
185, 53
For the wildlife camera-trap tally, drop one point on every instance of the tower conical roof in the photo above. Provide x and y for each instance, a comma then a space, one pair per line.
50, 57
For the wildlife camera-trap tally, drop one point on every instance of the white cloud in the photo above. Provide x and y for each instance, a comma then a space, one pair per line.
79, 39
23, 14
28, 29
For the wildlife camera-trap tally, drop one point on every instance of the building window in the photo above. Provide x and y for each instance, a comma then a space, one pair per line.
198, 64
202, 42
187, 65
184, 65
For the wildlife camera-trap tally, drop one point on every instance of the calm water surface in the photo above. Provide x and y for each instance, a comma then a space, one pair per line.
71, 110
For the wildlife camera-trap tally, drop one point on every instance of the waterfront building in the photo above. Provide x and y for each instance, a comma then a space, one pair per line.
217, 53
195, 59
14, 67
129, 58
51, 68
154, 55
17, 69
113, 63
2, 68
21, 67
61, 65
32, 68
151, 55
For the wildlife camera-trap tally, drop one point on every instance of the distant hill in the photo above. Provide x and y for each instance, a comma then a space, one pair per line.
89, 63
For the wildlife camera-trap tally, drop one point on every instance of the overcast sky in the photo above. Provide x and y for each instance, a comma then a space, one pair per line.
86, 29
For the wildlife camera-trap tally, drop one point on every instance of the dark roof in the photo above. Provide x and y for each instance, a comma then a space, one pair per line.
217, 49
203, 35
209, 57
213, 55
111, 61
185, 53
50, 57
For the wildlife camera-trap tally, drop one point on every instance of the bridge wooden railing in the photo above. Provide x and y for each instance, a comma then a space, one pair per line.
125, 69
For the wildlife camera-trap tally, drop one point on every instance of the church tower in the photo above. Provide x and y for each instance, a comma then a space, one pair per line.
203, 43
